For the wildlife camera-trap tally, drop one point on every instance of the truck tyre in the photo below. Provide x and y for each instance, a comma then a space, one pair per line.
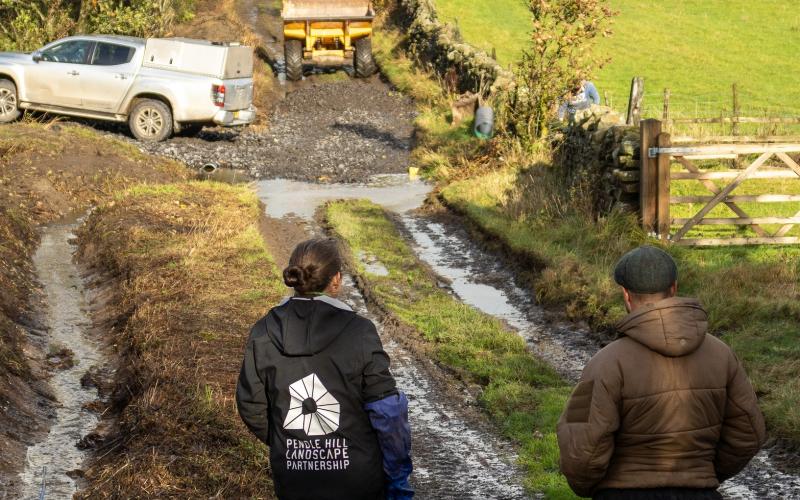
293, 52
363, 61
150, 120
9, 111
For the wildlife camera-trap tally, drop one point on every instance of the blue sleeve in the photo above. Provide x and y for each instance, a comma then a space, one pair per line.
562, 110
389, 418
591, 93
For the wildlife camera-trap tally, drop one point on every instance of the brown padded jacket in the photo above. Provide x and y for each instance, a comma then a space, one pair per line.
666, 405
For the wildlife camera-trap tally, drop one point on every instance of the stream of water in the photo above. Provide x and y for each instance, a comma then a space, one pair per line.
56, 459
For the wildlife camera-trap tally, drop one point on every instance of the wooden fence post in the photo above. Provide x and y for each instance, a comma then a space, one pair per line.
736, 110
635, 101
648, 175
663, 167
665, 115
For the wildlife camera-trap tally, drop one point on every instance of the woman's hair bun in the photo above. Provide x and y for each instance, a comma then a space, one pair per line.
295, 277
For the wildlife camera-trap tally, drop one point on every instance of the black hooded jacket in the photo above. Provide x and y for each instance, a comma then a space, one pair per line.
310, 367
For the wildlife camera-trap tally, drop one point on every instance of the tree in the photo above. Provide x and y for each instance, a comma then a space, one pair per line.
559, 57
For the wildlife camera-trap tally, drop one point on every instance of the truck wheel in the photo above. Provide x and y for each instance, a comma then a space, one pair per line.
293, 52
9, 111
363, 61
150, 121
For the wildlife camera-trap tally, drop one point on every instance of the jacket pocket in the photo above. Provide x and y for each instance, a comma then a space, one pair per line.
580, 403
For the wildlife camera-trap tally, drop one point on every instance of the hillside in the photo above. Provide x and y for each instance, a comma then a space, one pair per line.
697, 48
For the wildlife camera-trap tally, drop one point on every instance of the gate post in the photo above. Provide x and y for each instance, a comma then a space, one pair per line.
663, 164
648, 175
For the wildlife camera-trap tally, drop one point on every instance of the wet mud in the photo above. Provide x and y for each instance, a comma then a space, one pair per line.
483, 281
54, 464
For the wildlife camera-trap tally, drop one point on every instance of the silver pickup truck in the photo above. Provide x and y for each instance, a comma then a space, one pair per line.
158, 86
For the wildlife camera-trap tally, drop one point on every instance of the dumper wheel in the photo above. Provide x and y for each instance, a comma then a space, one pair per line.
293, 52
363, 61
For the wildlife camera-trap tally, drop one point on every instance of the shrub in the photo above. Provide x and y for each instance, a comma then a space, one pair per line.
557, 58
27, 25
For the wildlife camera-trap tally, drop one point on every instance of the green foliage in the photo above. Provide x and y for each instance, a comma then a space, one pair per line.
28, 25
557, 58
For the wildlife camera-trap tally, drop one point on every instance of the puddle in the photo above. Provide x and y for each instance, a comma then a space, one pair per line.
484, 282
452, 458
301, 199
67, 321
226, 175
372, 265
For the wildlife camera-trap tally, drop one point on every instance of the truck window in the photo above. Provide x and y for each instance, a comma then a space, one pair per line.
109, 54
72, 52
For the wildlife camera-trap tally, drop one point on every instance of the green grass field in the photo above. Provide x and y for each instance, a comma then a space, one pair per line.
696, 48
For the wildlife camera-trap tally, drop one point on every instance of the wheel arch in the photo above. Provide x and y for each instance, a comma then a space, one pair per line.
150, 95
10, 77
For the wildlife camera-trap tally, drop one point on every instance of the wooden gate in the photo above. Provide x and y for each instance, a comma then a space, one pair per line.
659, 154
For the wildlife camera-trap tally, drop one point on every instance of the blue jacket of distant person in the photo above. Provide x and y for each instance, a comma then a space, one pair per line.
582, 99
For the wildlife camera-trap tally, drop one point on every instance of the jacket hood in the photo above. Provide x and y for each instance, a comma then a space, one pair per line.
673, 327
306, 326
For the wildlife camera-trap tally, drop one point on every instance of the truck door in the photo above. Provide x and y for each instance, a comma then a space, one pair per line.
109, 77
55, 80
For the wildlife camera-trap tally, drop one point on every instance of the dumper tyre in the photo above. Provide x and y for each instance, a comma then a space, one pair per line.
150, 120
9, 108
293, 53
363, 61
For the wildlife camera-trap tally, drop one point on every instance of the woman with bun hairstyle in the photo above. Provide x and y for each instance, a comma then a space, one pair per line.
315, 387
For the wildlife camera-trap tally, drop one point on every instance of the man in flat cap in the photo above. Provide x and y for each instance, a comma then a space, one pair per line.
666, 411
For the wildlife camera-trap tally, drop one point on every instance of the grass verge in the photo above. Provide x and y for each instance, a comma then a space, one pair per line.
521, 393
751, 293
192, 275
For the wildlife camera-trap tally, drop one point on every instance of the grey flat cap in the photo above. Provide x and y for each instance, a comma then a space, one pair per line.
646, 269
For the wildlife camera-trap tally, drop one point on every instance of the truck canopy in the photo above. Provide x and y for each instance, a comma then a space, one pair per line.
294, 10
218, 60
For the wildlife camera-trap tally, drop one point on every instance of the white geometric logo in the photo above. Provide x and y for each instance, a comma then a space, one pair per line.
312, 408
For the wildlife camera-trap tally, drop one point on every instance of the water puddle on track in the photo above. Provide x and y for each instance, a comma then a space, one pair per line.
58, 456
301, 199
453, 457
484, 282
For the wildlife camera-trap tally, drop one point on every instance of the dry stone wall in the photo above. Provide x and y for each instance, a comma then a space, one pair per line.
441, 46
598, 150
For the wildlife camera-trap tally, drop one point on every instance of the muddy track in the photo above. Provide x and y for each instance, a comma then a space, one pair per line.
54, 463
457, 453
326, 128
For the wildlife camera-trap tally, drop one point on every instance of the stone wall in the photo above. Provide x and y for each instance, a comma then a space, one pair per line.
598, 150
440, 45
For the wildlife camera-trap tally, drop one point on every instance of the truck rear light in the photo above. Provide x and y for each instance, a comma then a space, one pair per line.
218, 95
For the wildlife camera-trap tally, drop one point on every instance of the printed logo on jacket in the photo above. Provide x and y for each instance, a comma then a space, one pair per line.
315, 412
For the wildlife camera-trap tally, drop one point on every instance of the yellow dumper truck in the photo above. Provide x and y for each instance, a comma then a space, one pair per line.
328, 33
